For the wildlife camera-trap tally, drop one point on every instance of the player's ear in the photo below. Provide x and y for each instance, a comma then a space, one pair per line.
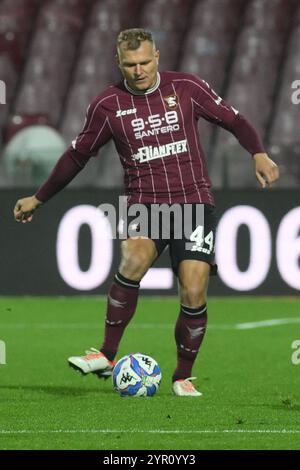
157, 54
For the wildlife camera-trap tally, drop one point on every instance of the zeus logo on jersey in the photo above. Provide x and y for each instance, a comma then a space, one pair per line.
125, 112
145, 154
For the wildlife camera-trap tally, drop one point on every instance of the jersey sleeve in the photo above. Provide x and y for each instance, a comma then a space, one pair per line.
210, 106
66, 168
95, 133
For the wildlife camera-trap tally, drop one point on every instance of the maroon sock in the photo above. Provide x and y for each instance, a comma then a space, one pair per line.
189, 333
121, 305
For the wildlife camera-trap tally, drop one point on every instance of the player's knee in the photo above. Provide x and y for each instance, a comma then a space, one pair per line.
193, 296
134, 264
193, 292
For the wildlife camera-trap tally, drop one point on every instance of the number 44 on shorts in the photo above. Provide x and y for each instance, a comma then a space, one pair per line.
201, 243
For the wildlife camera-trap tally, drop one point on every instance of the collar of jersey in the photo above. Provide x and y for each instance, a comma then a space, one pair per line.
141, 93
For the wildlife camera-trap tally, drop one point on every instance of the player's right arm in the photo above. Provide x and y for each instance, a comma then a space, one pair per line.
95, 134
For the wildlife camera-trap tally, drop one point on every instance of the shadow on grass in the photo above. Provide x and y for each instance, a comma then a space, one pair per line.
67, 391
63, 391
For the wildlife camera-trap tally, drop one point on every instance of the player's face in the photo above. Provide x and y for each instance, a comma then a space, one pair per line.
139, 67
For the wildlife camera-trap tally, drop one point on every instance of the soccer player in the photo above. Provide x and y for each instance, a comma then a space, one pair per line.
152, 119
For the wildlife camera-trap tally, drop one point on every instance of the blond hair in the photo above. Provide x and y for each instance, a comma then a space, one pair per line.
133, 37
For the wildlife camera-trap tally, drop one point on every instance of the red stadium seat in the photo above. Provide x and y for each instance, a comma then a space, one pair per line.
16, 18
284, 135
51, 57
165, 15
167, 20
238, 47
207, 49
252, 82
96, 66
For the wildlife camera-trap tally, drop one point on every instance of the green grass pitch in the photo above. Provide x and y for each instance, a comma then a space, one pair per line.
250, 385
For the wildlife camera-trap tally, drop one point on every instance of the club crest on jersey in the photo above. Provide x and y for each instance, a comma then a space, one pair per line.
172, 101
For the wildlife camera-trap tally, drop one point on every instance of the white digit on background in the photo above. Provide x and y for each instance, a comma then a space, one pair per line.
260, 248
101, 247
288, 248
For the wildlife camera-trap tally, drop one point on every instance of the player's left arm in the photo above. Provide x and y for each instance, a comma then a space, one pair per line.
214, 109
266, 170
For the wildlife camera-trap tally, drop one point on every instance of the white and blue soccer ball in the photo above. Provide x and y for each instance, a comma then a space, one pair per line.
136, 375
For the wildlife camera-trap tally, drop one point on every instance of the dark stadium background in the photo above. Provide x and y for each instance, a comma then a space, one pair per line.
56, 55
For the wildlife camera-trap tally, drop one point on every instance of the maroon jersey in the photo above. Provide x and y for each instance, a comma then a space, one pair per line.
157, 138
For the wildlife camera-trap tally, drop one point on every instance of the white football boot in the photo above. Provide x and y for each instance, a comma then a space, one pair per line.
94, 361
185, 388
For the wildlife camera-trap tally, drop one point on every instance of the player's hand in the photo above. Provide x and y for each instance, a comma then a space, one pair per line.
24, 209
267, 172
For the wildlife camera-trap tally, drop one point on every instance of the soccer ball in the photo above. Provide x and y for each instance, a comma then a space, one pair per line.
136, 375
